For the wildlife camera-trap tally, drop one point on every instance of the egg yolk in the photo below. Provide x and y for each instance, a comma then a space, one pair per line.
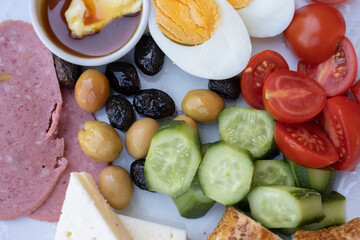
189, 22
238, 4
85, 17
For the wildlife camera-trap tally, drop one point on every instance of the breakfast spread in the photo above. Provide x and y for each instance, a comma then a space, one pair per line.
31, 156
70, 122
291, 115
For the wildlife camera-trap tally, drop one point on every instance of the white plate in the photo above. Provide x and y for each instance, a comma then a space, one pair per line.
158, 207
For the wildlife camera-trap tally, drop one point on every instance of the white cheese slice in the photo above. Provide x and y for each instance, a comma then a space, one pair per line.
144, 230
86, 215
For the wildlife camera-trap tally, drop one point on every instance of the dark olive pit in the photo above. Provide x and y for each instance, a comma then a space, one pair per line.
137, 173
120, 112
154, 103
67, 73
148, 56
227, 88
123, 77
111, 38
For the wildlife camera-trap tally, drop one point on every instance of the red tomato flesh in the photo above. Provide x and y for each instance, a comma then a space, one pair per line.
292, 97
254, 75
356, 91
341, 120
314, 32
338, 73
329, 2
305, 144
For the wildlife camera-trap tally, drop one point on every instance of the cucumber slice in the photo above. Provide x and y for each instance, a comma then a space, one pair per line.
225, 173
319, 179
193, 204
268, 172
285, 207
272, 172
334, 210
250, 129
173, 158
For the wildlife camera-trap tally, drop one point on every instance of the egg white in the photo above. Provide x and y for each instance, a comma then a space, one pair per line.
223, 56
267, 18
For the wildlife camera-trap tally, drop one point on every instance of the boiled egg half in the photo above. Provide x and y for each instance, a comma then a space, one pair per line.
267, 18
206, 38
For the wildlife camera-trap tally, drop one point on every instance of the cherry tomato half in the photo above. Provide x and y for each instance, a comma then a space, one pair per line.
292, 97
355, 89
314, 32
337, 74
329, 2
341, 120
305, 144
254, 75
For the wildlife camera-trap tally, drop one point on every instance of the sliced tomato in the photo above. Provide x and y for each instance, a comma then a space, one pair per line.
337, 74
292, 97
305, 144
341, 120
254, 75
329, 2
355, 89
314, 32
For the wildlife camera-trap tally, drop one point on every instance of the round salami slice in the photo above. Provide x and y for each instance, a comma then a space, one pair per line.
72, 119
31, 158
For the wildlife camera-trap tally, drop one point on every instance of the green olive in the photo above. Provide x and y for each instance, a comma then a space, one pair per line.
202, 105
100, 141
188, 120
116, 186
139, 135
92, 90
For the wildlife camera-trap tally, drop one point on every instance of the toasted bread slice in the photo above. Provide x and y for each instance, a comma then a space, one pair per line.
234, 225
347, 231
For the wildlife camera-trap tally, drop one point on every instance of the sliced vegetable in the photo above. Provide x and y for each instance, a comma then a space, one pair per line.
314, 32
254, 75
305, 144
272, 172
193, 204
355, 89
292, 97
337, 74
173, 158
250, 129
334, 210
285, 207
341, 120
329, 2
225, 173
319, 179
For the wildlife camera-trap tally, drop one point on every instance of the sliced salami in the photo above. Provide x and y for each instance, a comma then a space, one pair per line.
31, 157
72, 119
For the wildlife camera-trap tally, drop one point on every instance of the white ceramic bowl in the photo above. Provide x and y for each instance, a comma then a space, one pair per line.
36, 19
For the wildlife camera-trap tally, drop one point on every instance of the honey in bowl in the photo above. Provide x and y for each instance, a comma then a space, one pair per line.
110, 38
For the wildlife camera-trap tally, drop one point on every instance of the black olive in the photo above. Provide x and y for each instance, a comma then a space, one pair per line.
148, 56
227, 88
137, 173
123, 77
120, 112
154, 103
67, 73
